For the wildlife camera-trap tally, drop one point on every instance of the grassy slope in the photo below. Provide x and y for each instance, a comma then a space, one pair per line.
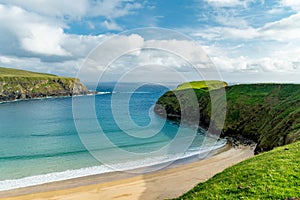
266, 113
270, 175
10, 74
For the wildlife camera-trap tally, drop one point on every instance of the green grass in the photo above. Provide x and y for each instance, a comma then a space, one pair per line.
206, 85
10, 72
270, 175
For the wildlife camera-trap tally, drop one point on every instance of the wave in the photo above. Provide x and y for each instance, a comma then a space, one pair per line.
67, 153
54, 97
135, 92
99, 93
23, 157
117, 92
81, 95
42, 98
96, 170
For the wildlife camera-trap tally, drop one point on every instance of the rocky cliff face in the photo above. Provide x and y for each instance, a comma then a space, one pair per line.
269, 114
13, 88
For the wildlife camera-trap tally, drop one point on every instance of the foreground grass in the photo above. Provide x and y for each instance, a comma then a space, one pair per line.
270, 175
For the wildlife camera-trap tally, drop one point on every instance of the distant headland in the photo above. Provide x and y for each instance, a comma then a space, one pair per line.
18, 84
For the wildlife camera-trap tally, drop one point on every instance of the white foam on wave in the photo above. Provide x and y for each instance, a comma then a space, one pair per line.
96, 170
103, 92
135, 92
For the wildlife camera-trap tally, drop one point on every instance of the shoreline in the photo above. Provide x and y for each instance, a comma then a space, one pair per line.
51, 97
173, 181
108, 173
74, 178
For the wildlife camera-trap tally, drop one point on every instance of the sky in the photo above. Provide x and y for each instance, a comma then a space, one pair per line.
246, 40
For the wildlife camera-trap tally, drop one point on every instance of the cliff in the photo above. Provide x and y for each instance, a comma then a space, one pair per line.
269, 114
20, 84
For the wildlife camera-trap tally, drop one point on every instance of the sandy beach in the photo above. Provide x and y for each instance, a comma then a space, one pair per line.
168, 183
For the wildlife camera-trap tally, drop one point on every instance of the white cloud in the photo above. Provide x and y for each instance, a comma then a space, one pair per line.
281, 59
229, 3
106, 52
34, 42
71, 8
294, 4
32, 37
80, 45
247, 65
43, 39
275, 11
120, 54
230, 21
284, 30
111, 25
66, 68
35, 28
287, 29
227, 33
76, 9
112, 8
188, 50
28, 34
5, 60
33, 33
278, 60
274, 58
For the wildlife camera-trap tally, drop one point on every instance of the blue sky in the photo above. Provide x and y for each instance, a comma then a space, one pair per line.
247, 40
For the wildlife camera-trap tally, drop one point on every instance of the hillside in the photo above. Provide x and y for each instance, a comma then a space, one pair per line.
20, 84
269, 114
270, 175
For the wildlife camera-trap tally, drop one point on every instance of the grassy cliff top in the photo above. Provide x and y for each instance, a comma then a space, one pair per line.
10, 72
270, 175
206, 85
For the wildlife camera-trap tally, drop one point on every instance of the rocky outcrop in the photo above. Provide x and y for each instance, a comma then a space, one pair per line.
14, 88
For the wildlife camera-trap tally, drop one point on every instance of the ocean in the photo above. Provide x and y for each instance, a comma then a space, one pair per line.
42, 141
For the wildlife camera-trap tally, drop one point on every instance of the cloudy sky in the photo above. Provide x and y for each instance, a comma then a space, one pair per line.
247, 40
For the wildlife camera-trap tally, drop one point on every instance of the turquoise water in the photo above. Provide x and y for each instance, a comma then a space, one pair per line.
39, 141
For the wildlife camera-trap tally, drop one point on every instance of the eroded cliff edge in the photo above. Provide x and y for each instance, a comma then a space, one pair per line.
269, 114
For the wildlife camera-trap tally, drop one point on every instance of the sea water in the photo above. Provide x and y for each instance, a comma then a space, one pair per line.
40, 143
